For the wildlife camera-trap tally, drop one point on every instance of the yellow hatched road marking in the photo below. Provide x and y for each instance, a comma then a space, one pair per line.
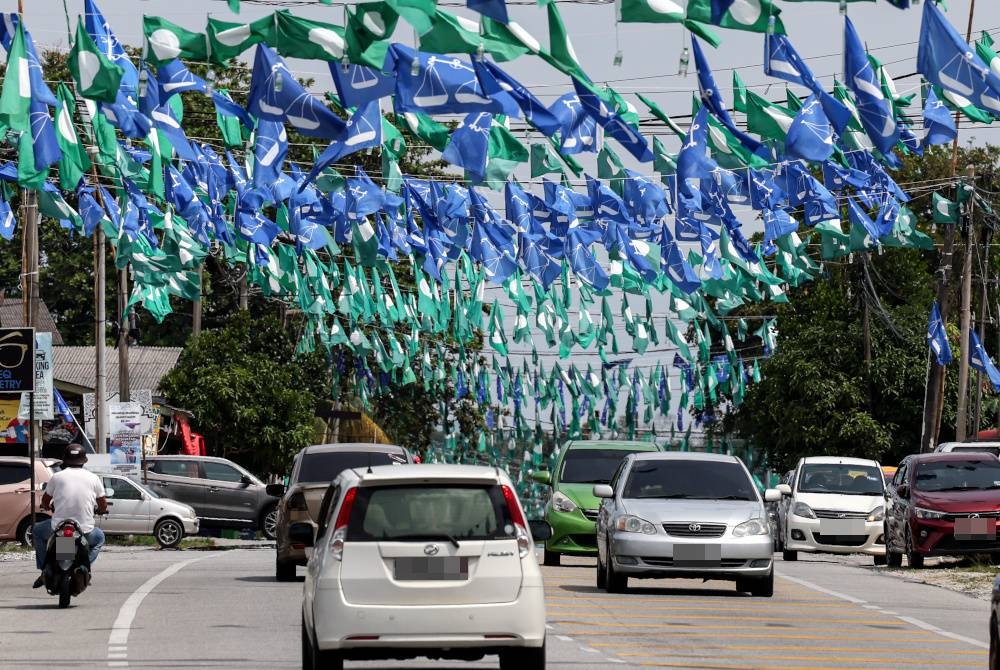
667, 624
729, 617
788, 657
790, 647
793, 634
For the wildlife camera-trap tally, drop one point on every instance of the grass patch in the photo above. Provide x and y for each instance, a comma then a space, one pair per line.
14, 548
981, 563
150, 541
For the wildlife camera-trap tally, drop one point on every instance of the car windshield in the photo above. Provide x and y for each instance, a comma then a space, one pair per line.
449, 512
591, 466
977, 450
148, 491
842, 478
971, 475
324, 466
694, 480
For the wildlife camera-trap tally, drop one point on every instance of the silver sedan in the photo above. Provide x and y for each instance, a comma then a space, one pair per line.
134, 509
684, 515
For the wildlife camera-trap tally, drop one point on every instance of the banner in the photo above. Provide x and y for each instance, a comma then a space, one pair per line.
12, 429
125, 436
44, 403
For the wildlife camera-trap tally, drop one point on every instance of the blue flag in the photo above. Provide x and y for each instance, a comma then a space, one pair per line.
874, 110
174, 77
781, 60
469, 143
712, 98
436, 84
613, 124
494, 81
937, 338
860, 219
810, 137
123, 112
364, 129
578, 130
938, 121
947, 61
364, 197
980, 360
495, 9
358, 84
269, 151
61, 407
8, 224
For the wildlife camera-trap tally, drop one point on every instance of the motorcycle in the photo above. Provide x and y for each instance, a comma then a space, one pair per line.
67, 562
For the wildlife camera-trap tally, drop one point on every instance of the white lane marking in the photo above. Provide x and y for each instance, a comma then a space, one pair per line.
565, 638
871, 607
929, 627
549, 626
120, 629
590, 650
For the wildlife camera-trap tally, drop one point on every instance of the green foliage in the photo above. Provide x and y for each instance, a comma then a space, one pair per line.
252, 398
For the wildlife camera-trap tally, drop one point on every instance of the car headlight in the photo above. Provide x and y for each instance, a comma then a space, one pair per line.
634, 524
562, 503
928, 513
878, 514
803, 510
751, 527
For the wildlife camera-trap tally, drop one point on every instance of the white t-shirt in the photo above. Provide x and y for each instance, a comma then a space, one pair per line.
74, 494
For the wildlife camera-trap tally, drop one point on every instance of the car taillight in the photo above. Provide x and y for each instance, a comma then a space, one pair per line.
68, 531
344, 515
337, 544
517, 517
297, 502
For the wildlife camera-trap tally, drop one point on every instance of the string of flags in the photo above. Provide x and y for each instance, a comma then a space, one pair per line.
329, 239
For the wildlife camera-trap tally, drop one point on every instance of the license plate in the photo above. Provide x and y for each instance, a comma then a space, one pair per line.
697, 555
65, 548
432, 568
975, 529
842, 526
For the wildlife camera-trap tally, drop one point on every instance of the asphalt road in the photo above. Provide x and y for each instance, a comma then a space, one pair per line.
223, 609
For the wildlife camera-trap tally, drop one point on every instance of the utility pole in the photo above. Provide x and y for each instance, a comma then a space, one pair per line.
196, 307
123, 333
977, 416
965, 321
934, 391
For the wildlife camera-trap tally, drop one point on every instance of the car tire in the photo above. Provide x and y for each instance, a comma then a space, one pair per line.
881, 560
550, 558
994, 658
614, 582
25, 529
913, 559
283, 571
602, 573
315, 659
758, 587
269, 522
787, 555
523, 658
168, 533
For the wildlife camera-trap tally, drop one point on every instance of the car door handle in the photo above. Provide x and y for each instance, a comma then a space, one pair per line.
213, 489
110, 504
21, 490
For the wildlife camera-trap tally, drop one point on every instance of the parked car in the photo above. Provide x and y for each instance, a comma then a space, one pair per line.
223, 494
423, 560
313, 470
943, 504
834, 505
134, 509
15, 495
968, 447
684, 515
572, 508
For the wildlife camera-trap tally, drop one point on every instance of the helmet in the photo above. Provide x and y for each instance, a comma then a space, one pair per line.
74, 456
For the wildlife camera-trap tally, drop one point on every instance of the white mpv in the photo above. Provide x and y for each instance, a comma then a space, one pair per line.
834, 505
423, 560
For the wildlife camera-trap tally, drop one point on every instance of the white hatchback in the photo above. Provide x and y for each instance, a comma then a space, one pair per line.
423, 560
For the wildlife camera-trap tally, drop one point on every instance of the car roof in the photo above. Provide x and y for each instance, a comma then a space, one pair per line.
186, 457
353, 446
953, 456
427, 473
611, 444
967, 445
842, 460
25, 460
684, 456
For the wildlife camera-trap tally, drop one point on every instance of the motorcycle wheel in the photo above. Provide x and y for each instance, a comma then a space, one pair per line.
65, 586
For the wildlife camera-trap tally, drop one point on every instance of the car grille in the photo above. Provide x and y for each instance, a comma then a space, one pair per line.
966, 515
837, 514
840, 540
669, 562
590, 513
703, 530
953, 544
587, 541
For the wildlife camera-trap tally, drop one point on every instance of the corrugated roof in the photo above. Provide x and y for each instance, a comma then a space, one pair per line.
147, 365
12, 316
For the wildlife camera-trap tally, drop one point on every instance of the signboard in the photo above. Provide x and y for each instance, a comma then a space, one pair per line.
125, 437
144, 397
12, 429
44, 402
17, 360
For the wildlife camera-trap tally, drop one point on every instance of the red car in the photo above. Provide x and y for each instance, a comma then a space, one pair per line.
942, 504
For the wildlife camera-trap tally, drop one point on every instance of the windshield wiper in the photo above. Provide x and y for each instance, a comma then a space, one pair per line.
423, 536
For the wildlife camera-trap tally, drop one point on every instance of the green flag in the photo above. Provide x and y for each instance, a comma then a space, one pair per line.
610, 166
228, 40
507, 42
168, 41
739, 93
767, 119
664, 162
498, 339
945, 211
302, 38
15, 97
543, 161
561, 54
655, 110
504, 153
369, 26
74, 162
663, 11
96, 77
427, 129
750, 15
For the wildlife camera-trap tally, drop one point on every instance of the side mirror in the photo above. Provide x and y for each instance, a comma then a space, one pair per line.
276, 490
903, 490
301, 533
44, 484
540, 530
783, 489
604, 491
773, 495
109, 492
245, 481
542, 476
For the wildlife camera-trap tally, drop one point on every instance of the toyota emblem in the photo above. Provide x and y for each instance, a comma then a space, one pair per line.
694, 527
431, 550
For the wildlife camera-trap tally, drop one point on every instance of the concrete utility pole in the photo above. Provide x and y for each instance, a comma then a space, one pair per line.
962, 417
196, 307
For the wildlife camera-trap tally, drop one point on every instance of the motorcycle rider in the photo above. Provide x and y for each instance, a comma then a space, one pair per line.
71, 493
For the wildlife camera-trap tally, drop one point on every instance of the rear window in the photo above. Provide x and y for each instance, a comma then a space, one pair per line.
13, 473
695, 480
971, 475
591, 466
325, 466
430, 512
978, 450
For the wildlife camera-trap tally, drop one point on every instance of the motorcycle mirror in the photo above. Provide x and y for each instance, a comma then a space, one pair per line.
109, 492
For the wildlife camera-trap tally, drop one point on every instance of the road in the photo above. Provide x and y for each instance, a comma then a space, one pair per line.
223, 609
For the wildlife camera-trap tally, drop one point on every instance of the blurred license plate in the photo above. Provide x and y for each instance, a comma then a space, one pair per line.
697, 555
842, 526
65, 548
975, 529
432, 568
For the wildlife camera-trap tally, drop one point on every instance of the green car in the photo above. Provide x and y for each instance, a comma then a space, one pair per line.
572, 508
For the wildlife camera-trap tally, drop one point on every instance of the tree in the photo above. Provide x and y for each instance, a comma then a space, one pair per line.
253, 399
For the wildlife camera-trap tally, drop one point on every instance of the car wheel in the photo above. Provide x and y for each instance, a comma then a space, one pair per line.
169, 533
25, 530
550, 558
602, 573
269, 522
523, 658
994, 645
284, 571
307, 657
314, 659
759, 587
614, 582
787, 555
893, 559
995, 559
914, 559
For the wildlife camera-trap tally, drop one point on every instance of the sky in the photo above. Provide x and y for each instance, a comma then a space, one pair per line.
649, 65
